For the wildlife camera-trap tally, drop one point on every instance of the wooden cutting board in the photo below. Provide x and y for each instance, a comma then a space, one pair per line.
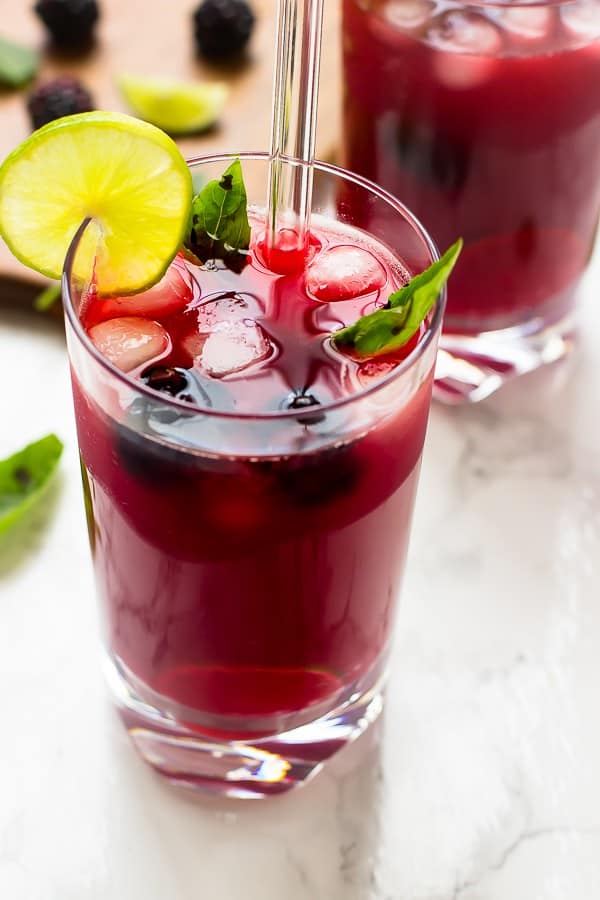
154, 37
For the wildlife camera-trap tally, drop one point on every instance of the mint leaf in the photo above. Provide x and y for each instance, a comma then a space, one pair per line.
89, 506
219, 225
429, 283
24, 477
380, 332
46, 299
17, 64
391, 327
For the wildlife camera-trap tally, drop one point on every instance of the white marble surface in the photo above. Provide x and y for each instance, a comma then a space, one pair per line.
483, 781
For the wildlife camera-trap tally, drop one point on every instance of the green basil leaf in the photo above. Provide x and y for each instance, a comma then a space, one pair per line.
424, 289
46, 299
393, 326
375, 333
18, 64
24, 477
219, 224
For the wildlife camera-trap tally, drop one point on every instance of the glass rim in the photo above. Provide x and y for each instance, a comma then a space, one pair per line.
516, 4
277, 415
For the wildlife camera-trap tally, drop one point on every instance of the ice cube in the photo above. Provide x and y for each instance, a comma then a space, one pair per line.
172, 293
227, 307
529, 22
470, 41
464, 32
344, 273
286, 256
187, 339
374, 369
582, 18
233, 346
407, 14
130, 342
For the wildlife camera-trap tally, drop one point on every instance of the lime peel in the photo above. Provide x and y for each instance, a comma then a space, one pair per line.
178, 107
125, 174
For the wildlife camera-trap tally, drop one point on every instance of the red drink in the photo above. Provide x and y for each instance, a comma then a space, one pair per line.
249, 548
250, 500
484, 120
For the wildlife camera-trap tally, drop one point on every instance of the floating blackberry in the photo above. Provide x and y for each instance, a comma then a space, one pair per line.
167, 378
301, 400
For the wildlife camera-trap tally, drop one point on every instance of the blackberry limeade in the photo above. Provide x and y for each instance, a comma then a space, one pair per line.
484, 118
250, 417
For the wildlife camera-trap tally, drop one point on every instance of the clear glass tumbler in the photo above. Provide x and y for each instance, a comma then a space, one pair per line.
484, 118
248, 566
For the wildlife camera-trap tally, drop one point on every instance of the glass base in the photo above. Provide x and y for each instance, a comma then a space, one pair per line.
246, 769
470, 367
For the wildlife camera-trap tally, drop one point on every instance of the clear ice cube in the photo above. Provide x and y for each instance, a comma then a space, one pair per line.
407, 14
471, 43
582, 18
233, 346
130, 342
172, 293
528, 22
373, 370
345, 272
228, 307
464, 32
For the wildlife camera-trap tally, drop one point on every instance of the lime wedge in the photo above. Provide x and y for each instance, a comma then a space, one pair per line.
124, 174
178, 107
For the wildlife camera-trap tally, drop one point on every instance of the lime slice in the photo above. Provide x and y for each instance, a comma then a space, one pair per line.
178, 107
124, 174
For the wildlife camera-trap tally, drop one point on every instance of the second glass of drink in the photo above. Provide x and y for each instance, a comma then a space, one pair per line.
484, 118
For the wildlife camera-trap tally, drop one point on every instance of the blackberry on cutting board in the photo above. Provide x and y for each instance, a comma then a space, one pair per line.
63, 96
222, 28
70, 22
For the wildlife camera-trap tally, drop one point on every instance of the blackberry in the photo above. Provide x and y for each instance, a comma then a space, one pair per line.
141, 447
314, 480
63, 96
70, 22
302, 399
431, 158
167, 378
183, 384
222, 28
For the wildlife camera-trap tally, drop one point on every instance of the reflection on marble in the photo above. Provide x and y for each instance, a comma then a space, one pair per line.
482, 780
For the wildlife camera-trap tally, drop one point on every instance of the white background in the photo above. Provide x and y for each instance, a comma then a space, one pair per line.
483, 781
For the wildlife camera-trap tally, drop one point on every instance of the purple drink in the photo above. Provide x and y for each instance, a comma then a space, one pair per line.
485, 120
249, 493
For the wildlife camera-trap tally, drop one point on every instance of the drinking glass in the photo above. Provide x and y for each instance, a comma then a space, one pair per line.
484, 118
248, 565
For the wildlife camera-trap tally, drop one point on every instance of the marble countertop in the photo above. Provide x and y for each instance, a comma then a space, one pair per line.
482, 782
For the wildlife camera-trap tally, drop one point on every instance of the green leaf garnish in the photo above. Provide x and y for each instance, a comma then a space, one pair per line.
24, 477
46, 299
219, 224
391, 327
18, 64
93, 529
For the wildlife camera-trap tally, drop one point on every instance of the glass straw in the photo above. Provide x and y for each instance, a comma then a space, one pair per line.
294, 117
